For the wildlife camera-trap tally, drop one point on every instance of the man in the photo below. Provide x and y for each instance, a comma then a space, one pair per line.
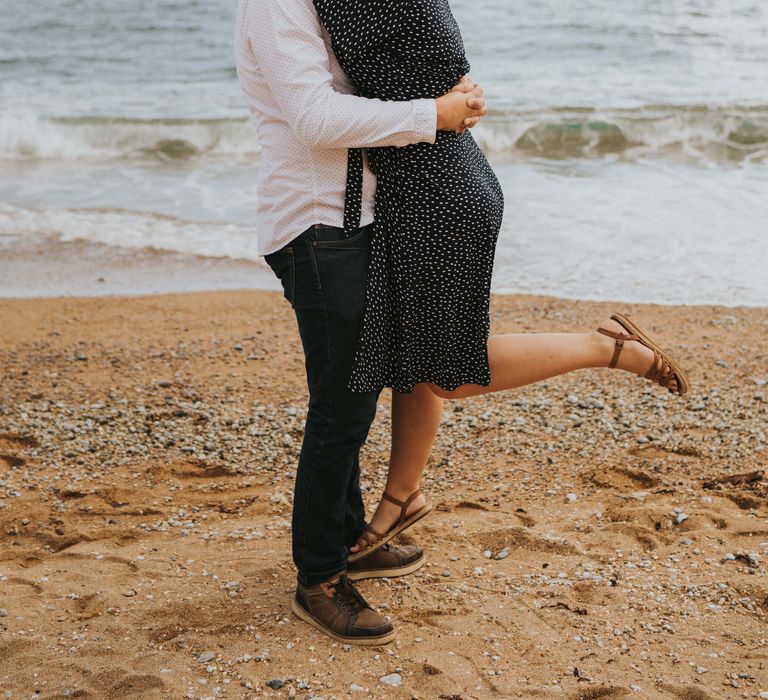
310, 127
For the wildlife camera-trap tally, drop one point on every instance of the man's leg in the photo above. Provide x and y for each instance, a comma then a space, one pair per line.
324, 276
355, 522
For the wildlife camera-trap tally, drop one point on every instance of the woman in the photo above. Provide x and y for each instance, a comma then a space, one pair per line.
438, 213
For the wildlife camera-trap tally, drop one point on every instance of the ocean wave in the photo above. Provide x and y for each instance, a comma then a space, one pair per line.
26, 137
702, 132
654, 131
124, 228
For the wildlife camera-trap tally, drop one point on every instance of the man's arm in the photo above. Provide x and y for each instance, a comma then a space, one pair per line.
285, 38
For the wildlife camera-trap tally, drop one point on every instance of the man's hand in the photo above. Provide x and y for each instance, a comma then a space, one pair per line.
462, 107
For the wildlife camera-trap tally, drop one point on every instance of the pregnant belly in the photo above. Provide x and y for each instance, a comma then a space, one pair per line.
449, 181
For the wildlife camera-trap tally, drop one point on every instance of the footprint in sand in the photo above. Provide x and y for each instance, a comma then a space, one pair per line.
596, 693
120, 683
522, 538
17, 439
8, 461
621, 479
685, 692
108, 559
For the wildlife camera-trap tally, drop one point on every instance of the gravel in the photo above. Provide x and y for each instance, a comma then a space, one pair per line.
393, 679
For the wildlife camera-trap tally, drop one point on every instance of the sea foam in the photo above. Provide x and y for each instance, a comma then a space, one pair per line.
655, 131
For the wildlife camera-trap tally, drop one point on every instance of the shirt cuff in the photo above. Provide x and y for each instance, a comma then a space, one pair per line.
425, 120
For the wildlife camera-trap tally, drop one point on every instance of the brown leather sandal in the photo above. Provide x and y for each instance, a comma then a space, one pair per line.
663, 370
402, 523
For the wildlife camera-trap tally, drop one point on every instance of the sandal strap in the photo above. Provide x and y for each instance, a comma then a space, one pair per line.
653, 371
369, 544
403, 504
617, 335
620, 339
391, 499
661, 372
378, 534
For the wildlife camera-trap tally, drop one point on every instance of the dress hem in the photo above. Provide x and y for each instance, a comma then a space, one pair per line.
408, 388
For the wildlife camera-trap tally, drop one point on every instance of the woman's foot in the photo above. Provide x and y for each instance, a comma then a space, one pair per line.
634, 356
386, 516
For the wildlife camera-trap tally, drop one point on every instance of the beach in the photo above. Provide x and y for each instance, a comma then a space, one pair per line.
592, 536
582, 543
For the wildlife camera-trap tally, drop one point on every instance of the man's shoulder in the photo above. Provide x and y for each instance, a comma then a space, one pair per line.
282, 21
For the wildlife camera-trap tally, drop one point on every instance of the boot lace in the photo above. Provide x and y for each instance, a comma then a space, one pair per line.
348, 598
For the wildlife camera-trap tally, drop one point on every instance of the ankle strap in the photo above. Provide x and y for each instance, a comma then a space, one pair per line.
620, 339
617, 336
403, 504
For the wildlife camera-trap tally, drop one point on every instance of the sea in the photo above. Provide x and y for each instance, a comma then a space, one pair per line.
630, 137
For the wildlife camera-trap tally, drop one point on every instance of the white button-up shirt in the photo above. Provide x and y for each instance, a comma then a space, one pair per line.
307, 118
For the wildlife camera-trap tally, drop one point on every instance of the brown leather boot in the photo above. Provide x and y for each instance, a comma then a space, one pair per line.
337, 609
388, 561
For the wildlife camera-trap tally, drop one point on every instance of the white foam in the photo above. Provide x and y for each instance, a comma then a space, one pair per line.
27, 137
30, 137
640, 133
127, 229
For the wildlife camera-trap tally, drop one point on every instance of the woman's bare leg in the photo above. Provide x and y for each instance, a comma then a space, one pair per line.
415, 422
515, 359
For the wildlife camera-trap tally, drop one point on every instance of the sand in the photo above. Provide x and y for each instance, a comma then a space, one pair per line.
579, 546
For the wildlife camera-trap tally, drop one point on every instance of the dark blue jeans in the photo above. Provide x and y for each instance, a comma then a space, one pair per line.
324, 278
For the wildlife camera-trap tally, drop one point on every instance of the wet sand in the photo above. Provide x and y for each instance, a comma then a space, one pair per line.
579, 547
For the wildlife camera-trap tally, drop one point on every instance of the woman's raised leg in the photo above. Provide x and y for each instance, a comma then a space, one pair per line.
517, 359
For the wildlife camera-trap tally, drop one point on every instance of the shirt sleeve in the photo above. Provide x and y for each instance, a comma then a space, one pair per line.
286, 39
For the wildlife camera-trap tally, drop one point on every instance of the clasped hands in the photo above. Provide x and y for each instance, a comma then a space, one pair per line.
462, 107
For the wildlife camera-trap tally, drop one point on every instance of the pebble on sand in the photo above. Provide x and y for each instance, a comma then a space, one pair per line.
393, 679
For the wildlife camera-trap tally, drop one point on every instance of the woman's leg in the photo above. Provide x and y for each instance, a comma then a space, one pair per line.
517, 359
415, 422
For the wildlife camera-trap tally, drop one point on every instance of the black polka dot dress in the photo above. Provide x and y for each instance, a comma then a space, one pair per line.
438, 206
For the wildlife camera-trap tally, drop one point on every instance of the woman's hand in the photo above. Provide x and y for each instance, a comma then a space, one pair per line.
469, 86
462, 107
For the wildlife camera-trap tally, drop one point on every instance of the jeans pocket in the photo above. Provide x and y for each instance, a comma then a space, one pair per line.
282, 264
334, 238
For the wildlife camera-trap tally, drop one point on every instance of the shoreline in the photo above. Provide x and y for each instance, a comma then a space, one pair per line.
48, 267
83, 269
147, 451
271, 286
